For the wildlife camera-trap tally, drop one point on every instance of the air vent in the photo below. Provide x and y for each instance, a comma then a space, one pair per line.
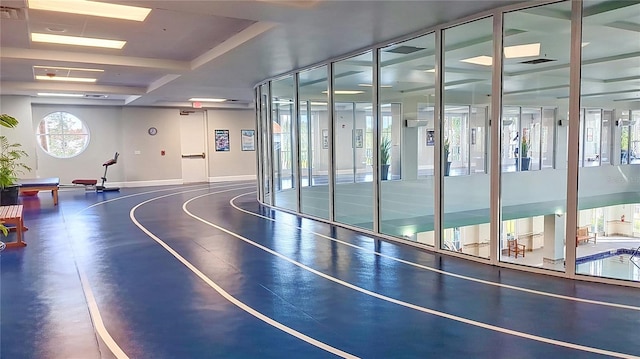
404, 50
537, 61
95, 96
10, 13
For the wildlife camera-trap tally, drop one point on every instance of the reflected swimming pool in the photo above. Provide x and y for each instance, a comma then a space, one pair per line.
616, 264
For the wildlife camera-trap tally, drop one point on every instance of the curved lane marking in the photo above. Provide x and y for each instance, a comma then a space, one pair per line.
224, 293
410, 305
94, 311
507, 286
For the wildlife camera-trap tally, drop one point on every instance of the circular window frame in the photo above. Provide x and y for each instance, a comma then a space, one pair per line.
84, 126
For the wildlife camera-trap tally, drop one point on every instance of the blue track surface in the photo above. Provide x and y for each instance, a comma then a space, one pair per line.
351, 299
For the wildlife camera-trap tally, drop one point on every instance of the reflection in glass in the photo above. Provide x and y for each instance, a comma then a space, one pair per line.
353, 123
265, 123
534, 142
608, 220
314, 142
467, 85
282, 93
407, 85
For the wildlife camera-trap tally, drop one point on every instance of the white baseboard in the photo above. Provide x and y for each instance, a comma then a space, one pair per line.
169, 182
233, 178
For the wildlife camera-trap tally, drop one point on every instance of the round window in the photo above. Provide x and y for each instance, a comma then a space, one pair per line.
62, 135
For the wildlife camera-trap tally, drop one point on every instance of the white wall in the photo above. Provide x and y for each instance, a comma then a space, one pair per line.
234, 164
124, 129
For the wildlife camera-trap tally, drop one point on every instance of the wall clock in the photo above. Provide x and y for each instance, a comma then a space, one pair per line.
152, 131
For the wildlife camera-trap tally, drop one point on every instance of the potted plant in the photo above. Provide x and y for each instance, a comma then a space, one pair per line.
445, 152
385, 157
11, 164
524, 153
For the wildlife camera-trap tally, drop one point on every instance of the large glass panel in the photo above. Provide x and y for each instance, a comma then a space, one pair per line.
353, 123
536, 86
265, 157
467, 88
282, 92
314, 142
407, 80
608, 195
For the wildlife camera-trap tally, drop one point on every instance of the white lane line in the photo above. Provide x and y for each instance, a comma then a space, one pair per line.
94, 311
198, 188
228, 296
410, 305
507, 286
97, 318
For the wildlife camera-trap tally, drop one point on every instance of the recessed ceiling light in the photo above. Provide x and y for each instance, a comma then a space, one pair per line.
66, 68
479, 60
62, 78
345, 92
76, 40
60, 94
92, 8
527, 50
370, 85
202, 99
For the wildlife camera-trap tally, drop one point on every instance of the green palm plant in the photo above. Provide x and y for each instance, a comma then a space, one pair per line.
445, 149
524, 147
385, 151
10, 155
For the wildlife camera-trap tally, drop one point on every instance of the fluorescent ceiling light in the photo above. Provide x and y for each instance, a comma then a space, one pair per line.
202, 99
318, 103
345, 92
432, 70
66, 68
78, 41
479, 60
370, 85
91, 8
60, 94
585, 44
63, 78
528, 50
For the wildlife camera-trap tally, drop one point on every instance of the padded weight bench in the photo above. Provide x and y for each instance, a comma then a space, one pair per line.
89, 184
30, 185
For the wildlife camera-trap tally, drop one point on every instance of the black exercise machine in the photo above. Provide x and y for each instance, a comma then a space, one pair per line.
106, 165
90, 184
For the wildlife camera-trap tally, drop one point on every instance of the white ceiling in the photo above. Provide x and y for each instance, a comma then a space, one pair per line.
204, 48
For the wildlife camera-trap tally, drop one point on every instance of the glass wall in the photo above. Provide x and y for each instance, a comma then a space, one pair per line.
283, 124
535, 83
467, 71
531, 141
608, 198
407, 87
314, 142
264, 143
353, 124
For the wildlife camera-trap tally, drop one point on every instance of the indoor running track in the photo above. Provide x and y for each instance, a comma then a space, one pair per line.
204, 271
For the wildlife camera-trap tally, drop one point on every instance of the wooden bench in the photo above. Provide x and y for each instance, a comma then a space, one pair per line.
13, 215
513, 246
583, 235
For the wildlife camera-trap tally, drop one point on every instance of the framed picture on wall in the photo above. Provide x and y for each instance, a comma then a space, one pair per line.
325, 138
248, 140
431, 139
358, 138
222, 140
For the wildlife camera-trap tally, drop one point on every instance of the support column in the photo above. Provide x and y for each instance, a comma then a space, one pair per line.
553, 250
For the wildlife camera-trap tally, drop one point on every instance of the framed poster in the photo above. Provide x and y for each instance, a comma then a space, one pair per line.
358, 138
222, 140
248, 140
325, 138
431, 139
